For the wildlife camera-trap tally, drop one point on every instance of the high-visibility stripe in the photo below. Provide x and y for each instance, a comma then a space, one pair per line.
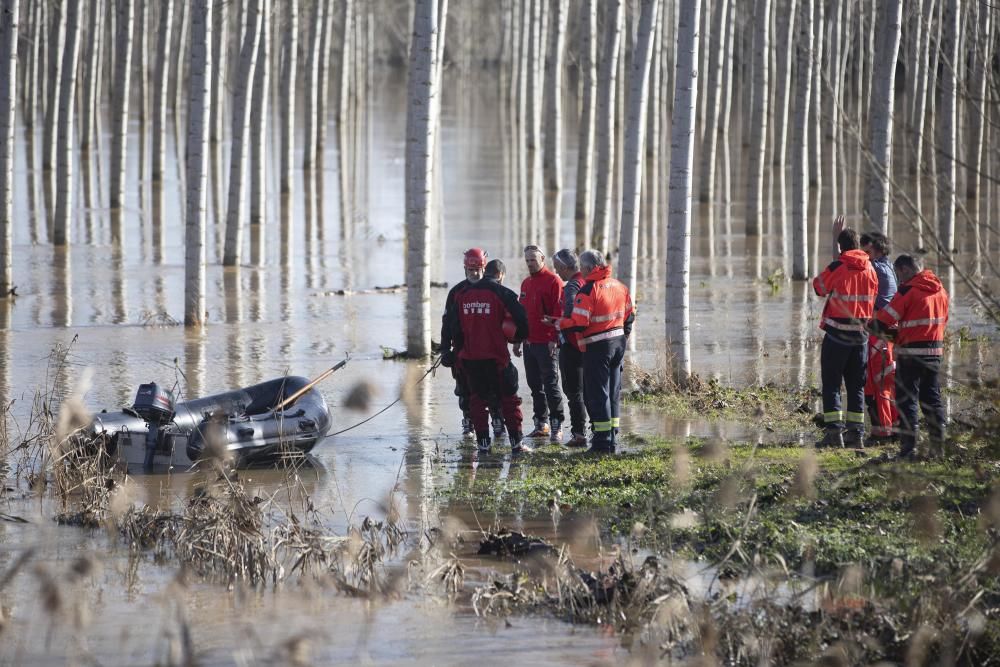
843, 327
822, 285
892, 311
581, 311
852, 297
602, 427
607, 318
927, 321
855, 417
834, 416
919, 351
887, 371
604, 335
616, 422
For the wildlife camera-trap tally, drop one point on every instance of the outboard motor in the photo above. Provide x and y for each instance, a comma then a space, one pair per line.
155, 404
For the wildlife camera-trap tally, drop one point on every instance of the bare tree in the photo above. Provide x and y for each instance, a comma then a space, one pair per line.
677, 314
606, 123
91, 78
258, 133
161, 87
552, 162
758, 122
585, 152
800, 146
785, 50
946, 142
312, 84
713, 106
288, 74
197, 162
877, 196
120, 100
67, 93
8, 101
628, 242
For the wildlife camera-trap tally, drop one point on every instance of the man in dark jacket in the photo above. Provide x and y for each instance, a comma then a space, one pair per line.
880, 373
476, 325
567, 265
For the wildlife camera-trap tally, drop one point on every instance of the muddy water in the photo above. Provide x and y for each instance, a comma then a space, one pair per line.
112, 304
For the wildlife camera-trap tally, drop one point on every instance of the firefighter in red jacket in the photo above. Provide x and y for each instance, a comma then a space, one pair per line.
917, 316
603, 314
541, 296
850, 285
476, 325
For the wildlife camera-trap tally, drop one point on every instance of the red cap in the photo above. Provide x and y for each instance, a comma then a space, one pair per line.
475, 258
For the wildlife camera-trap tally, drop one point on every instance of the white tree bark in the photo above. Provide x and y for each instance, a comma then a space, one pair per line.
288, 74
258, 132
8, 102
947, 116
800, 146
758, 121
917, 115
67, 94
243, 87
323, 86
161, 87
635, 148
815, 123
120, 100
605, 137
585, 154
91, 79
713, 104
421, 125
552, 162
54, 61
877, 195
197, 162
312, 85
785, 51
220, 52
677, 315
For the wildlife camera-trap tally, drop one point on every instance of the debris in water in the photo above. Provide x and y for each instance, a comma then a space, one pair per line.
507, 543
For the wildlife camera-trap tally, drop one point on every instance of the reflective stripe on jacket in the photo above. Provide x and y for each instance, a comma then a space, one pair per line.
919, 315
570, 290
850, 285
602, 309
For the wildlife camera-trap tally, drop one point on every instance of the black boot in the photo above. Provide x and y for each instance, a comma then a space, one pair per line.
832, 438
854, 438
601, 443
516, 446
908, 448
483, 441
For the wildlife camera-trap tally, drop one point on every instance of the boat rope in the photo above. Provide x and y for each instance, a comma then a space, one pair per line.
430, 370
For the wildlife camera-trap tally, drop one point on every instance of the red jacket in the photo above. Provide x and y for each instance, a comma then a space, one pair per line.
919, 314
602, 310
541, 294
851, 284
570, 290
476, 322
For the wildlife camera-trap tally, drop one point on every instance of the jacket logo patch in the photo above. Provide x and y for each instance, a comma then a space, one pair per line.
476, 308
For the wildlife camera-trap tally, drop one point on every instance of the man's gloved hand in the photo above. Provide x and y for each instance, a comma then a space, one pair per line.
448, 358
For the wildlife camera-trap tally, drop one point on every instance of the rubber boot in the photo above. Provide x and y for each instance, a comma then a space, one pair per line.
602, 443
833, 437
483, 442
854, 438
907, 447
498, 429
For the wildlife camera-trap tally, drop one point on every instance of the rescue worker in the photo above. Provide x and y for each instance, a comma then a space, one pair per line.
917, 316
850, 285
476, 325
567, 265
603, 314
541, 294
880, 373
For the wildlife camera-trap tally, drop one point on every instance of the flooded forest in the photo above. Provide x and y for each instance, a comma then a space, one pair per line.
228, 231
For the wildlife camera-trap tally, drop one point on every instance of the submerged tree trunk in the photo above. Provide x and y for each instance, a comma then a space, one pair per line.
628, 241
91, 78
947, 117
714, 103
677, 314
552, 162
758, 122
120, 100
877, 195
161, 87
585, 154
67, 94
785, 61
197, 162
800, 147
258, 133
8, 102
606, 124
241, 127
312, 85
421, 125
288, 74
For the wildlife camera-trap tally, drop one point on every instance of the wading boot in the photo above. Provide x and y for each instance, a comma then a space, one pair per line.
467, 429
577, 440
854, 438
555, 432
498, 430
907, 449
601, 443
833, 437
541, 429
483, 442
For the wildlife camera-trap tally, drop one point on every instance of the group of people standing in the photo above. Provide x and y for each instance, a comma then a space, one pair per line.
884, 324
571, 323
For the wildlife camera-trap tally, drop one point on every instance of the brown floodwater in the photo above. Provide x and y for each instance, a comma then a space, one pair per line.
113, 305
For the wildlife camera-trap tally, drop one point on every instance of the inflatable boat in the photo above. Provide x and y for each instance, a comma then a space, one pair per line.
257, 425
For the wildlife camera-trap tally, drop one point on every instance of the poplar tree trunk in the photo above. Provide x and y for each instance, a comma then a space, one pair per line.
713, 106
877, 195
421, 125
552, 162
312, 85
67, 94
606, 124
758, 122
815, 123
120, 100
32, 96
651, 226
258, 133
323, 88
220, 52
677, 314
785, 51
56, 40
917, 116
161, 86
8, 102
242, 94
585, 154
800, 146
635, 150
288, 74
91, 79
197, 161
946, 143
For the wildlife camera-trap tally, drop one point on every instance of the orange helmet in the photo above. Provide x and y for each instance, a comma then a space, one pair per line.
475, 258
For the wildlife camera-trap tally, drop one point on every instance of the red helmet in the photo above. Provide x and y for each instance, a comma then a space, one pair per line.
475, 258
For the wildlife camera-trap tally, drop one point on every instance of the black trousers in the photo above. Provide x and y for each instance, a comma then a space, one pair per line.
489, 380
918, 380
571, 370
843, 362
602, 377
543, 379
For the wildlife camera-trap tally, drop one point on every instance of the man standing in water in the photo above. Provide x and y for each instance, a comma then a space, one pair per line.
850, 285
541, 294
918, 315
476, 325
567, 265
880, 376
